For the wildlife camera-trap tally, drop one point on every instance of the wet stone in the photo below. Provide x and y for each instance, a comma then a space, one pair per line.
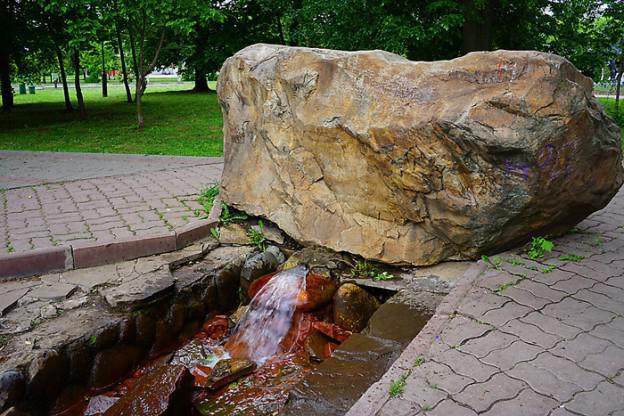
260, 265
12, 387
111, 365
353, 306
229, 370
144, 289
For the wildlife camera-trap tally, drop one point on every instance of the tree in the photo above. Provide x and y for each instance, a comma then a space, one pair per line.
149, 22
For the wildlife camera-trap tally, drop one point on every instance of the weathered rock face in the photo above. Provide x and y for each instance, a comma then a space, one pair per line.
416, 162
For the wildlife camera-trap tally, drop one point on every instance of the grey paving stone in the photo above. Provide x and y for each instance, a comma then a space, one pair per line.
530, 333
418, 391
608, 362
440, 376
578, 313
580, 347
511, 310
481, 396
54, 291
398, 406
606, 398
508, 357
482, 346
567, 371
467, 365
460, 329
450, 408
544, 382
551, 325
527, 403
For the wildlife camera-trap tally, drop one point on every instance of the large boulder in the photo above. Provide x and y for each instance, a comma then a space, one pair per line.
414, 162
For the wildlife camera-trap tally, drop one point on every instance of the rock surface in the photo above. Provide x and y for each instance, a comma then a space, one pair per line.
353, 307
414, 162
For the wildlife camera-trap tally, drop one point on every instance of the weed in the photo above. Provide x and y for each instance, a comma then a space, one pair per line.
539, 247
197, 212
597, 242
207, 196
227, 216
10, 248
502, 286
92, 340
532, 267
549, 268
426, 407
257, 237
363, 269
515, 261
485, 259
571, 257
420, 360
214, 232
382, 276
4, 340
495, 261
398, 386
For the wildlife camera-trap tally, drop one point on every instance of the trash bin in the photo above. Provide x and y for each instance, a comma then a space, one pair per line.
31, 89
22, 89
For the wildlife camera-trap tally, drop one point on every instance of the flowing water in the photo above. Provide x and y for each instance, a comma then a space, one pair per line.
268, 319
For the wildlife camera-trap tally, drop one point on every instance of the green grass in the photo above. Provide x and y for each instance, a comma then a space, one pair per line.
177, 122
609, 106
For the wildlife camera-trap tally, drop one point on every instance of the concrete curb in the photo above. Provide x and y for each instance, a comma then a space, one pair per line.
69, 257
377, 394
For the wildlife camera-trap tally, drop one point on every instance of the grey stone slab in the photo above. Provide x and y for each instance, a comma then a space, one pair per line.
10, 299
141, 290
53, 291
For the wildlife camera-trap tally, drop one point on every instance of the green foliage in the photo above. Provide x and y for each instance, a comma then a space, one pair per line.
426, 407
214, 232
227, 216
548, 268
597, 241
397, 387
207, 196
571, 257
9, 248
515, 261
4, 340
420, 360
363, 269
539, 247
257, 237
92, 340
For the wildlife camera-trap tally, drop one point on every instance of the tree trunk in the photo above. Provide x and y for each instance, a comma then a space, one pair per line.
139, 101
81, 106
618, 85
477, 30
5, 82
134, 57
201, 83
104, 76
124, 70
68, 105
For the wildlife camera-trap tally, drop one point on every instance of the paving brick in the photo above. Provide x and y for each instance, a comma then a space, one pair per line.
571, 286
511, 310
567, 371
541, 290
450, 408
608, 362
544, 382
601, 301
525, 298
481, 396
577, 313
442, 377
580, 347
609, 332
530, 333
466, 365
482, 346
478, 301
606, 398
551, 325
418, 391
527, 403
399, 406
508, 357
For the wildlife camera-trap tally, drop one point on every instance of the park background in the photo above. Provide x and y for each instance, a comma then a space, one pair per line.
138, 76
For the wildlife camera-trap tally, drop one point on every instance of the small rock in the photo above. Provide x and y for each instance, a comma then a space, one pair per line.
153, 394
238, 314
11, 388
260, 265
318, 260
99, 404
112, 364
233, 234
226, 371
48, 311
353, 307
227, 284
272, 233
316, 346
74, 303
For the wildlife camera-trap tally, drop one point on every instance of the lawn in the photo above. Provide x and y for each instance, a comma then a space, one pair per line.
609, 106
177, 122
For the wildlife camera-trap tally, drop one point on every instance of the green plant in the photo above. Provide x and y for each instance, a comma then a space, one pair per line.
10, 248
549, 268
502, 286
597, 242
515, 261
92, 340
363, 269
571, 257
398, 386
257, 237
539, 247
4, 340
382, 276
207, 196
420, 360
214, 232
426, 407
227, 216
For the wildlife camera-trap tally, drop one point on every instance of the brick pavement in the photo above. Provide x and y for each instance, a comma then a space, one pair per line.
523, 338
101, 209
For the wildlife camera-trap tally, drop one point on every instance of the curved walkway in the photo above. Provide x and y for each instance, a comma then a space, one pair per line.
50, 200
520, 337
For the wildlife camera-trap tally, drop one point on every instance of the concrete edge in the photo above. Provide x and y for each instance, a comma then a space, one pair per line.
60, 258
377, 394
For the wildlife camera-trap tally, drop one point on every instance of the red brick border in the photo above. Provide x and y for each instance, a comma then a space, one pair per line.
80, 256
377, 394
